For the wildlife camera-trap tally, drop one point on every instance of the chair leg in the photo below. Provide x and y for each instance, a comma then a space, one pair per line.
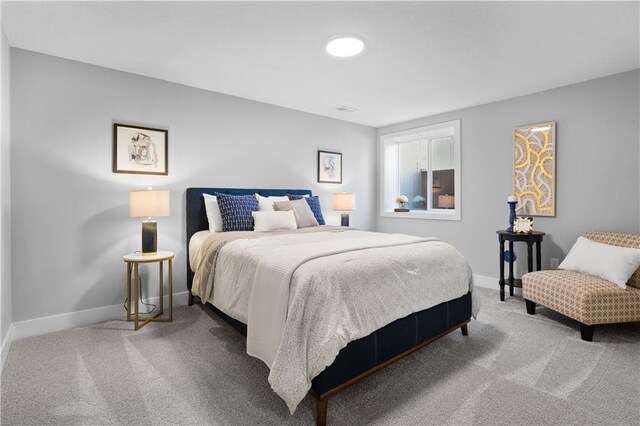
465, 330
586, 331
531, 307
190, 299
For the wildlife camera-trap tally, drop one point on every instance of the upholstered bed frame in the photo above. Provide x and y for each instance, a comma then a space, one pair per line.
361, 357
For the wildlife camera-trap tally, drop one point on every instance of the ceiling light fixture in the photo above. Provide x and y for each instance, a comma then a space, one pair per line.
344, 46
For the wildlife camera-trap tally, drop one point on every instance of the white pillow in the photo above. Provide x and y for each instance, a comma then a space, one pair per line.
612, 263
303, 214
213, 213
265, 204
273, 221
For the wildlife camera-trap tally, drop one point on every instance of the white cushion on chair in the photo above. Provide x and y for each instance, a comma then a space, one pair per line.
612, 263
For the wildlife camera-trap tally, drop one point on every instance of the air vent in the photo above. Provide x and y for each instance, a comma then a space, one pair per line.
344, 108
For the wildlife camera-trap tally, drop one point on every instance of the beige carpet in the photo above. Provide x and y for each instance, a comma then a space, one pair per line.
512, 369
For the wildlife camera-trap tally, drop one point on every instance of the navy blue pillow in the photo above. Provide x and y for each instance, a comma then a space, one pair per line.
314, 204
236, 211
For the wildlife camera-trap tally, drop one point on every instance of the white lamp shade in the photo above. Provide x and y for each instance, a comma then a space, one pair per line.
344, 201
446, 201
149, 203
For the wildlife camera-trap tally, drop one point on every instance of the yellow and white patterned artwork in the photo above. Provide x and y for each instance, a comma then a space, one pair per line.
534, 169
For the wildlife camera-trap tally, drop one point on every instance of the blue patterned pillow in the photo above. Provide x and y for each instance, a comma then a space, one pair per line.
314, 204
236, 211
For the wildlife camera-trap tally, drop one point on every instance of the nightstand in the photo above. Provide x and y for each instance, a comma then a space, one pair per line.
133, 261
528, 237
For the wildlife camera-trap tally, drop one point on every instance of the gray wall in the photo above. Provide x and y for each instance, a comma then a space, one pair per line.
70, 212
597, 186
5, 189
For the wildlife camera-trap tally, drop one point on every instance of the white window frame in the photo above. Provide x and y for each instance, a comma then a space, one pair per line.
389, 184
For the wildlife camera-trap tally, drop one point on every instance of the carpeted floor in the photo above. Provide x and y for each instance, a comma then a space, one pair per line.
512, 369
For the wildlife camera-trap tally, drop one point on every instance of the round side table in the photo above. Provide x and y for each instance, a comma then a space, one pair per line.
133, 261
530, 238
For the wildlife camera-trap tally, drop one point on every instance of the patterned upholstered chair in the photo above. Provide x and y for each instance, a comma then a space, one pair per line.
589, 300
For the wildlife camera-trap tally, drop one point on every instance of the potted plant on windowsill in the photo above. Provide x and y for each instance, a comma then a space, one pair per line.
403, 203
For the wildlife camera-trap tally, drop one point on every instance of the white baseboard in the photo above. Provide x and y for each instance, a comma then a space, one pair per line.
44, 325
35, 327
6, 345
492, 283
485, 282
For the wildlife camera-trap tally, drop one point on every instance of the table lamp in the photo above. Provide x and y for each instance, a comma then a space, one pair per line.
149, 203
344, 201
446, 201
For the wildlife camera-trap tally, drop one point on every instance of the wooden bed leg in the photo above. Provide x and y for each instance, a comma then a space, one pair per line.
465, 330
321, 411
190, 299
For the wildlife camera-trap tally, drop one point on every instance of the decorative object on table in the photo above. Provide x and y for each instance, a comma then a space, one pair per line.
509, 256
512, 200
419, 201
403, 204
329, 167
149, 203
140, 150
345, 202
523, 225
534, 168
446, 201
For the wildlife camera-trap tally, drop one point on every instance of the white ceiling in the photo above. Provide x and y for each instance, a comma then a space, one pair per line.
421, 58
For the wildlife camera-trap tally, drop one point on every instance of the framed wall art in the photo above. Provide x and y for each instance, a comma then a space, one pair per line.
534, 169
140, 150
329, 167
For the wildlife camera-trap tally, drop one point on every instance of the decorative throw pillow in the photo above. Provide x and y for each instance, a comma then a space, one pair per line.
213, 213
273, 221
236, 211
314, 204
612, 263
266, 203
303, 213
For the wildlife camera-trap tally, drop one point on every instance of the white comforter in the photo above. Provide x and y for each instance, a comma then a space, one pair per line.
333, 289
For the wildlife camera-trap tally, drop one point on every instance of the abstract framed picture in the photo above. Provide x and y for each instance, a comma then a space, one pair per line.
329, 167
140, 150
534, 169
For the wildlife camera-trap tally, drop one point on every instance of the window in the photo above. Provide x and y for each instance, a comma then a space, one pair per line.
424, 165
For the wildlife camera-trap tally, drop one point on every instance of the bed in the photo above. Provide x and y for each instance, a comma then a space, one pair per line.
360, 357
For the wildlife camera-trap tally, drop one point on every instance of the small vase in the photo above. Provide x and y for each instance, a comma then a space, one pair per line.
402, 208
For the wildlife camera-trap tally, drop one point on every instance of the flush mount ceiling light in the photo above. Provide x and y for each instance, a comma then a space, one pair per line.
344, 46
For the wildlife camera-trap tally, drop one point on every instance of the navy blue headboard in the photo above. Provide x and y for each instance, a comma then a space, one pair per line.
197, 216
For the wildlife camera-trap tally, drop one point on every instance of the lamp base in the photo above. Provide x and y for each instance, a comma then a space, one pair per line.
149, 238
344, 219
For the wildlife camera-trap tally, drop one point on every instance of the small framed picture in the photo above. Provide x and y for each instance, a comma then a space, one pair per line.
329, 167
523, 225
140, 150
